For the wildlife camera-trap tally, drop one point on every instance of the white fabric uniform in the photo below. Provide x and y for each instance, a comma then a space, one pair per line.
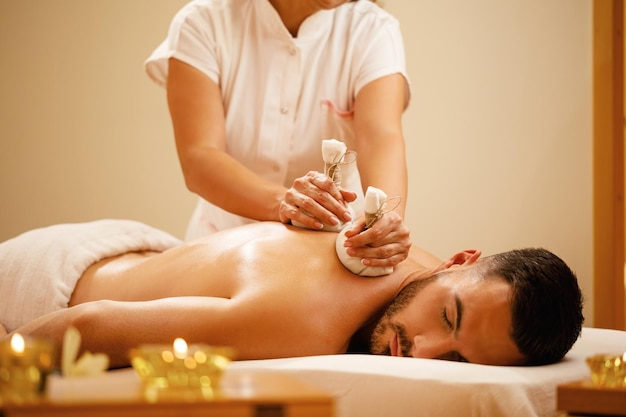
39, 269
282, 95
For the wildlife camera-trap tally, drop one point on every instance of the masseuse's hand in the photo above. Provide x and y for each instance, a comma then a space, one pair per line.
315, 200
386, 243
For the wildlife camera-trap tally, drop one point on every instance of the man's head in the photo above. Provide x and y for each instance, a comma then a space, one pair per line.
514, 308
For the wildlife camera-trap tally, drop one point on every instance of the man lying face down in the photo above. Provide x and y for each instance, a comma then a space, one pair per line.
270, 290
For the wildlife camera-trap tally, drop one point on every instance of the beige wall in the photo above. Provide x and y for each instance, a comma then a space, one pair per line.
500, 127
498, 131
83, 133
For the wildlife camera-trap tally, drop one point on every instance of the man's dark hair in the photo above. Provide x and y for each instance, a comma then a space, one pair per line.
546, 302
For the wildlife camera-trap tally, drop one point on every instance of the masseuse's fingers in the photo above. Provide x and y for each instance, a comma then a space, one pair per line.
313, 200
386, 243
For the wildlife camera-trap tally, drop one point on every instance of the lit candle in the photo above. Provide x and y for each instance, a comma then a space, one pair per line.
180, 348
17, 344
24, 366
180, 366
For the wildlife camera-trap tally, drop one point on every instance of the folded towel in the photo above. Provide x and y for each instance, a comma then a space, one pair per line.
39, 269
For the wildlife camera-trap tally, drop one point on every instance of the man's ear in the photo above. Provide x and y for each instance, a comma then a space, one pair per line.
466, 257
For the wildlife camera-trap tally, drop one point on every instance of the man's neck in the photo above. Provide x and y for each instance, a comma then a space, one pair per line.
360, 341
416, 274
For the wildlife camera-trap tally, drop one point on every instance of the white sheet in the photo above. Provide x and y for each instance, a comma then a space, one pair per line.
381, 386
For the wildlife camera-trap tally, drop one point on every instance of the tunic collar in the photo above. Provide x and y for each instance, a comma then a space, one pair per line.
312, 28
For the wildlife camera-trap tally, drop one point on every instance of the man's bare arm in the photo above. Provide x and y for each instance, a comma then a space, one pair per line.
256, 329
114, 327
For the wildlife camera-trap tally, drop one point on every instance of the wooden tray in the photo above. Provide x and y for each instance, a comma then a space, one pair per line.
582, 397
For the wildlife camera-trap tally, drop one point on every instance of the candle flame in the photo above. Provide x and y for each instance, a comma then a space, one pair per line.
17, 343
180, 347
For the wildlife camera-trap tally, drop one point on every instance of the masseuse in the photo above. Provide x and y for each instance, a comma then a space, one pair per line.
254, 86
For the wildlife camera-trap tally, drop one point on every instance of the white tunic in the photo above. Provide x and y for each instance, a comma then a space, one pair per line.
282, 95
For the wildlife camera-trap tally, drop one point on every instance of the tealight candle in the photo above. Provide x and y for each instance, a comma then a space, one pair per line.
24, 367
180, 366
608, 370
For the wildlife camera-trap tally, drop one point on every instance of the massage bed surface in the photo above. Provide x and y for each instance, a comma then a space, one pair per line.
382, 386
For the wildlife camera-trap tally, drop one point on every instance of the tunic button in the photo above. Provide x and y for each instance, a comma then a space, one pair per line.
284, 110
292, 51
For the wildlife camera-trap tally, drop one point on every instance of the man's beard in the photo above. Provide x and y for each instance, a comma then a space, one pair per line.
378, 346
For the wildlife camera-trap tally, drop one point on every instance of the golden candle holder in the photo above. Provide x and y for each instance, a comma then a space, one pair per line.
180, 368
608, 371
24, 367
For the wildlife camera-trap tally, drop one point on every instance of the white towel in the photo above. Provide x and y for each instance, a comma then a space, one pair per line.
39, 269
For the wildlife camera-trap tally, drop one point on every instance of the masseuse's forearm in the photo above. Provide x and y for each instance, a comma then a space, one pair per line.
379, 139
223, 181
196, 107
385, 168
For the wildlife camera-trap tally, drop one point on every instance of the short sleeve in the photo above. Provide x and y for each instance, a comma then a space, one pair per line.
191, 39
382, 55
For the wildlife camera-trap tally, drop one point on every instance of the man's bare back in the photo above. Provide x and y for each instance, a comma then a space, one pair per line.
249, 277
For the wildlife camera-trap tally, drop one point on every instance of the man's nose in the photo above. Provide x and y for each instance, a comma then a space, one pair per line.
432, 347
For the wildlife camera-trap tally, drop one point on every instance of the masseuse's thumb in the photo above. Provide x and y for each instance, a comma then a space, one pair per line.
348, 196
